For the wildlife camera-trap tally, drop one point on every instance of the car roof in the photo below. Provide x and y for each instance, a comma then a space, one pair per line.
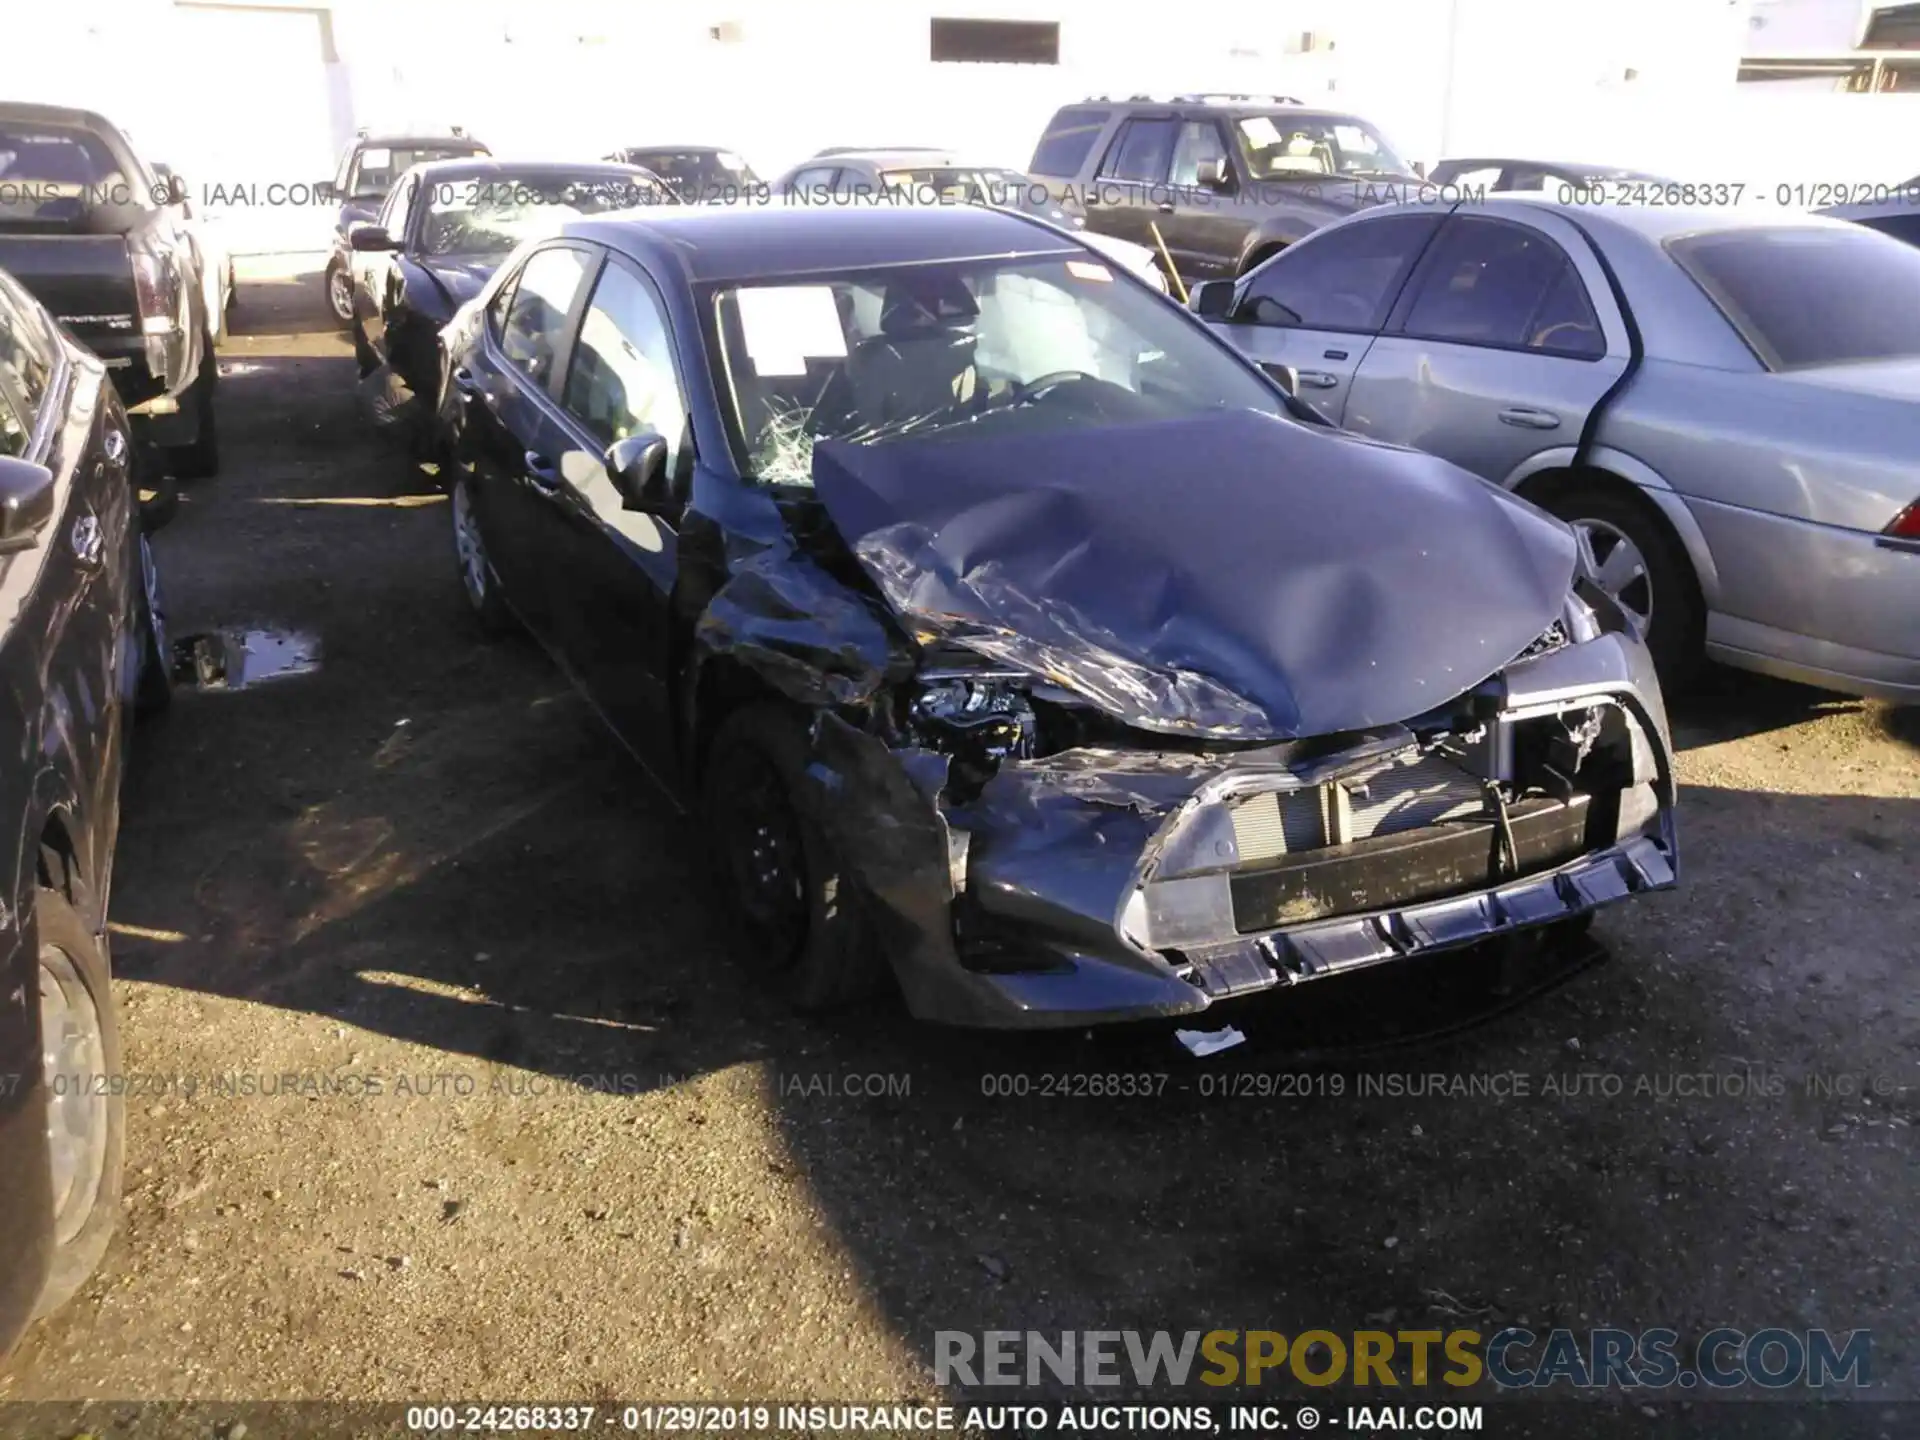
901, 159
53, 114
1654, 223
708, 243
481, 166
678, 149
1218, 105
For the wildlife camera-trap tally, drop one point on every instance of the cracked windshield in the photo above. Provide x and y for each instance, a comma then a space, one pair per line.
481, 217
955, 349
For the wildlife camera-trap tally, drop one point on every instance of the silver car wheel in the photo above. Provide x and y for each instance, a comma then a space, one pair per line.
469, 545
1617, 567
340, 292
73, 1056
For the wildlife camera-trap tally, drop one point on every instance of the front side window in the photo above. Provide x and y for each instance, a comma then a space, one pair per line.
959, 349
1283, 146
1198, 142
1495, 283
26, 367
1143, 151
1803, 297
1345, 280
622, 378
537, 310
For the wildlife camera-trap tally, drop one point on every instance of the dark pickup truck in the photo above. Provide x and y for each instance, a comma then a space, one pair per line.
93, 235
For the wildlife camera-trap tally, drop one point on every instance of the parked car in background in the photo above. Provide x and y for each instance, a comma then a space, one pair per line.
934, 177
368, 167
1502, 176
1018, 642
82, 646
209, 247
441, 232
697, 173
1224, 181
95, 236
1724, 409
1899, 218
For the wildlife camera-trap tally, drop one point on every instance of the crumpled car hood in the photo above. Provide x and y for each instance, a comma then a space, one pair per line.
1232, 575
461, 276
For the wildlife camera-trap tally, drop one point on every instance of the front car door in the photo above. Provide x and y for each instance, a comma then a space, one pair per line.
376, 272
613, 589
509, 433
1202, 226
1318, 304
1502, 343
1132, 179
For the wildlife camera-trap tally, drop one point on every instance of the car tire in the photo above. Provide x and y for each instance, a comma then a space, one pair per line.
201, 459
1667, 590
477, 580
77, 998
339, 294
153, 692
803, 921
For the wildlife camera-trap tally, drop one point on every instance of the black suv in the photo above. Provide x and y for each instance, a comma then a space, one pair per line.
1224, 180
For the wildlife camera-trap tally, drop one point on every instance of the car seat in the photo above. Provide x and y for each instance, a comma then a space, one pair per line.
922, 361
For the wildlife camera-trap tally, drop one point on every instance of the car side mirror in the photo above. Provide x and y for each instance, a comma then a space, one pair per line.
26, 503
325, 194
1420, 168
1212, 299
1213, 173
370, 237
638, 468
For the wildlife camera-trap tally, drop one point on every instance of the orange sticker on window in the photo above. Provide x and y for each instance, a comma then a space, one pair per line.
1088, 270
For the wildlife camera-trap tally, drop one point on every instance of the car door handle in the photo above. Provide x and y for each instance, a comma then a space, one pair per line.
464, 383
1318, 379
1529, 419
540, 470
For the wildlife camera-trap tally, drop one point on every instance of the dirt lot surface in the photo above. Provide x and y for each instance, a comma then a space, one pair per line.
521, 1125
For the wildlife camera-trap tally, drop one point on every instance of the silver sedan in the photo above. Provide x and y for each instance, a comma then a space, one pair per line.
1726, 410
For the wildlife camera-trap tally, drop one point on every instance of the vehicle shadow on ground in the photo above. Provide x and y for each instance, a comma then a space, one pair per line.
431, 838
1727, 704
283, 305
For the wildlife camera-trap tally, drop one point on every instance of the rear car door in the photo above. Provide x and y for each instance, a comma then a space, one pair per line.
512, 425
1504, 340
1203, 227
1132, 178
1317, 305
612, 592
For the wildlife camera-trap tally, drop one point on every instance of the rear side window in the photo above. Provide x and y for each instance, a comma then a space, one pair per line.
1493, 283
1143, 151
1803, 297
536, 311
1345, 281
1068, 142
60, 174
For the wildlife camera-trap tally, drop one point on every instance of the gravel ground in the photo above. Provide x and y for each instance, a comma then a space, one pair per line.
422, 869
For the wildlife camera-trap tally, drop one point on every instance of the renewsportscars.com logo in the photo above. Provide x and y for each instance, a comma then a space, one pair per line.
1512, 1358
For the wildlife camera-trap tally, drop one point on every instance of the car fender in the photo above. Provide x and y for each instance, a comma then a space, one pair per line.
1651, 483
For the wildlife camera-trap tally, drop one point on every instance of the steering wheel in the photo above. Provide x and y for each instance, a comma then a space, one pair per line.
1038, 386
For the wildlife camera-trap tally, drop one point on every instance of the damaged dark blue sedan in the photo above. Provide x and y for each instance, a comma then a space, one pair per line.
1019, 640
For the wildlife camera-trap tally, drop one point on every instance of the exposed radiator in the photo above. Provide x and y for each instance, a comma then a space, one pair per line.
1402, 793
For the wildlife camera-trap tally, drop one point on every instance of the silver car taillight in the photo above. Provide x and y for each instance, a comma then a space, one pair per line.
156, 283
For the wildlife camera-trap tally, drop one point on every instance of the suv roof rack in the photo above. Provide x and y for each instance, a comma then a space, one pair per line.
1209, 97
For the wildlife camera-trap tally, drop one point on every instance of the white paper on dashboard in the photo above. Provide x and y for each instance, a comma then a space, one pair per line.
1260, 130
784, 325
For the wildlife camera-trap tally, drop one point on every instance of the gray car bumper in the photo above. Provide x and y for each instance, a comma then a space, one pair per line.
1110, 885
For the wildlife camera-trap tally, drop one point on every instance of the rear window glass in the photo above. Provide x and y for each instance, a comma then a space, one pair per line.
1803, 297
1068, 142
59, 174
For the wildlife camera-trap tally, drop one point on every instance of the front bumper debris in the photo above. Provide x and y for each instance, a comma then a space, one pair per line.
1101, 885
